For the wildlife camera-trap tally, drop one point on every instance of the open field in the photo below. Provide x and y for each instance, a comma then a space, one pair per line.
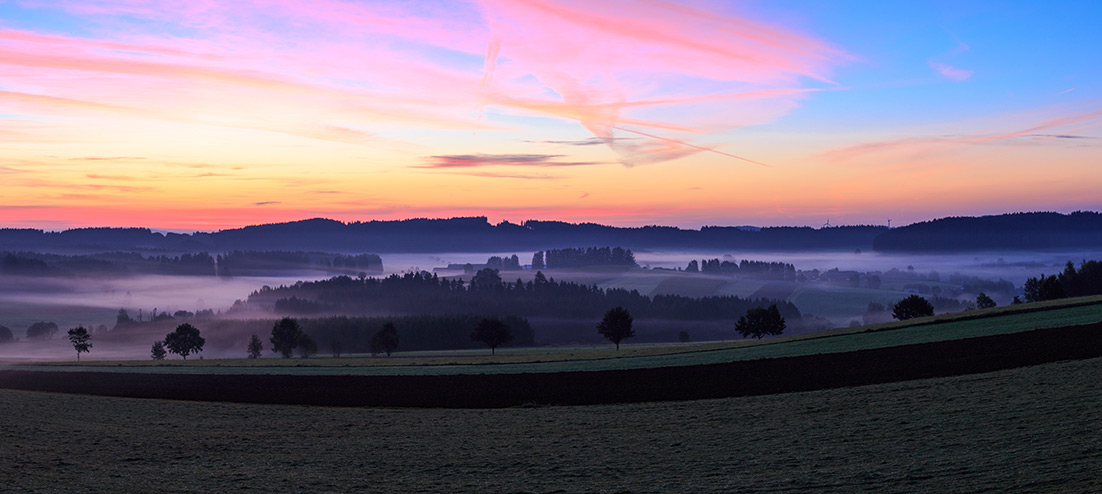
567, 383
1032, 429
1000, 320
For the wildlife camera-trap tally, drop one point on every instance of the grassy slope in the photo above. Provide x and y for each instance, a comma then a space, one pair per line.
1031, 429
1000, 320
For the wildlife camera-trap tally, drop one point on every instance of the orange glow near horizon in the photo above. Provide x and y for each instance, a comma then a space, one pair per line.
211, 116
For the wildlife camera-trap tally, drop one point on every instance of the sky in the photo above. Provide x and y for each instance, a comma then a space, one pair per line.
203, 115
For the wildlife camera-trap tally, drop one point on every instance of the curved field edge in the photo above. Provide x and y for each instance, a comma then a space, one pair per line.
740, 378
972, 324
1031, 429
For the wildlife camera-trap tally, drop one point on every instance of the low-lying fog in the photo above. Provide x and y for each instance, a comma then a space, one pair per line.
71, 301
1013, 266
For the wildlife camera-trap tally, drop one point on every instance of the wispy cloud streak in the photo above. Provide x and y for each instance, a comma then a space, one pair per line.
482, 160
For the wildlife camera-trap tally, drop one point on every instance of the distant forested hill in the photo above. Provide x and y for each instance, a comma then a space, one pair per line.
476, 234
432, 235
1006, 231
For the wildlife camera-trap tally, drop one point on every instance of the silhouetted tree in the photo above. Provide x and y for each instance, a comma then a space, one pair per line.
684, 337
537, 260
984, 302
41, 331
486, 279
1043, 288
335, 348
306, 346
123, 319
79, 337
693, 267
385, 340
616, 325
185, 340
285, 335
912, 307
158, 352
6, 335
759, 322
255, 347
493, 333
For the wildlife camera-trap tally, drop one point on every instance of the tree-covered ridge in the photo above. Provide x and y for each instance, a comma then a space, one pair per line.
235, 263
473, 234
426, 293
1006, 231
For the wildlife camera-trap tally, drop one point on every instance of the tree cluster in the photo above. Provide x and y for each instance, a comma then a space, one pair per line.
746, 269
423, 292
41, 330
760, 321
1072, 282
511, 263
590, 256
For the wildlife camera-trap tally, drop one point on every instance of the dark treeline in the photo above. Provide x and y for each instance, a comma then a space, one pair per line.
581, 258
1072, 282
1007, 231
417, 293
198, 264
746, 269
421, 332
352, 334
474, 234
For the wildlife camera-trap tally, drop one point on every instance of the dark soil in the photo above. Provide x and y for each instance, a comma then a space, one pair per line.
1031, 429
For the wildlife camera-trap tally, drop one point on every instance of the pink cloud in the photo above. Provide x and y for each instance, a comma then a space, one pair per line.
348, 71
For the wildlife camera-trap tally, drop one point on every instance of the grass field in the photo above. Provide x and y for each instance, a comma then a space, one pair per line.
1001, 320
1032, 429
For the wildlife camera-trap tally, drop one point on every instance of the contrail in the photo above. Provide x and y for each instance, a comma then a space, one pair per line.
702, 148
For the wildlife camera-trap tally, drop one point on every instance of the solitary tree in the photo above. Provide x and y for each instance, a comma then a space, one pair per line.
493, 333
5, 334
385, 339
306, 346
912, 307
760, 321
79, 337
285, 336
684, 337
158, 351
984, 302
255, 347
616, 325
185, 340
